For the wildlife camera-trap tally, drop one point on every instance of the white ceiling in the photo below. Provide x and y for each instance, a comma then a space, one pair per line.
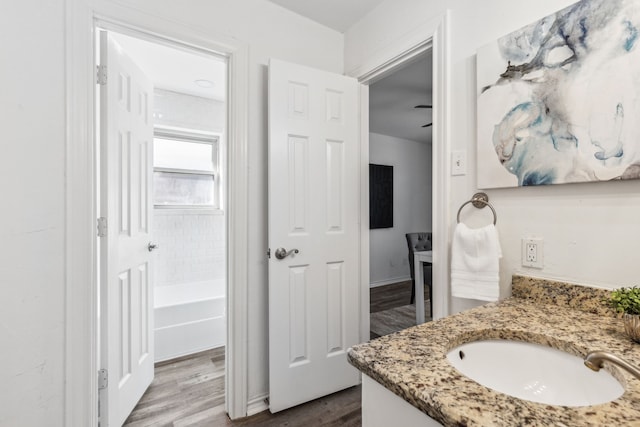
337, 14
176, 69
392, 101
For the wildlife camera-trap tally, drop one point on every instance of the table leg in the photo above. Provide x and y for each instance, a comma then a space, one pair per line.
419, 275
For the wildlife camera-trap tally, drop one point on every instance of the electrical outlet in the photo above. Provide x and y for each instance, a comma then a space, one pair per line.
532, 252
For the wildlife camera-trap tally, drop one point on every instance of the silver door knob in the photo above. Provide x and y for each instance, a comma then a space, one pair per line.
282, 253
152, 246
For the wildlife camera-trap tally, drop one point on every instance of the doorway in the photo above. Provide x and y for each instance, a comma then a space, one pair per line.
187, 223
400, 140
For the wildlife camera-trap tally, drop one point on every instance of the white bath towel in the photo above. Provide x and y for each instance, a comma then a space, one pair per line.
475, 255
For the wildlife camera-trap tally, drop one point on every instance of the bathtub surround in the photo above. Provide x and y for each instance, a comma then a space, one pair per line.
412, 363
189, 318
190, 288
190, 269
193, 246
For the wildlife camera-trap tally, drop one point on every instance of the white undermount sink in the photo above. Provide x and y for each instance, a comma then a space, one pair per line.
534, 372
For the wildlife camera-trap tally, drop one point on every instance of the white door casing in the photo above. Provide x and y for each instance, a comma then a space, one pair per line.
126, 292
314, 202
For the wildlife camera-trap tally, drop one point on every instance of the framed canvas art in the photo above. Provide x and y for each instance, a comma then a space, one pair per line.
380, 196
559, 99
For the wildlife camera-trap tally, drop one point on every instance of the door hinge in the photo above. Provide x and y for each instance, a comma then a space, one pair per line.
103, 379
101, 74
102, 226
269, 253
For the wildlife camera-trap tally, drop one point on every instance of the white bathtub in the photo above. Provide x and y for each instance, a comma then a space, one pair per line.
189, 317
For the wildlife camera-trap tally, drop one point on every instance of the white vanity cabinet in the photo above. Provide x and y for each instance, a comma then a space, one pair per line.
382, 408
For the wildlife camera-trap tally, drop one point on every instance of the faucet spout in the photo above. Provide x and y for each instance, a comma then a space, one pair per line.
595, 359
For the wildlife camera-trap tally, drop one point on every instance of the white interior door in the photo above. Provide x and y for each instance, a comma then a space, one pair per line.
126, 271
313, 208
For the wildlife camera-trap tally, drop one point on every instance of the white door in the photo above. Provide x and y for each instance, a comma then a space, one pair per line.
314, 302
126, 270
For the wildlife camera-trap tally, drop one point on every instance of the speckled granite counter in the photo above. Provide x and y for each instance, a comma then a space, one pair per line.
413, 365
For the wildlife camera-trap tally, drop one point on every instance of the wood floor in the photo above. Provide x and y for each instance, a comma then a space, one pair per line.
390, 296
390, 308
189, 391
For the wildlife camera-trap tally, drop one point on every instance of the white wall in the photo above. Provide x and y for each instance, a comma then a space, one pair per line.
411, 163
590, 231
32, 227
32, 107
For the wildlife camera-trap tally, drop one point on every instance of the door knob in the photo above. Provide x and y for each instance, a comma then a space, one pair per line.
282, 253
152, 246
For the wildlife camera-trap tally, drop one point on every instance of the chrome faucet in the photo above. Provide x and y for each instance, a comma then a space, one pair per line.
594, 361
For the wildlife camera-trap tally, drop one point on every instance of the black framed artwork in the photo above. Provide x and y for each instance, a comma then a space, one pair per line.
380, 196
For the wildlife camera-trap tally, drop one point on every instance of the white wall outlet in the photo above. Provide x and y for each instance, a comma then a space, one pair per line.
533, 252
459, 162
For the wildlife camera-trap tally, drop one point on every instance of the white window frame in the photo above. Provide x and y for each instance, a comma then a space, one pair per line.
191, 136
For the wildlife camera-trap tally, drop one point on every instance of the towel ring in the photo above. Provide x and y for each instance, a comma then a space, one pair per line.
479, 200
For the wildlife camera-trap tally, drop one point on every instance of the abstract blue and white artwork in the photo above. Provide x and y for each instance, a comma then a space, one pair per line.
559, 100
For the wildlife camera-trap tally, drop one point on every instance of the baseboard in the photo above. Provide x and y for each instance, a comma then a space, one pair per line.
257, 404
389, 281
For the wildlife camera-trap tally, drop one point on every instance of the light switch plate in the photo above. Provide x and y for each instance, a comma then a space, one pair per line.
459, 162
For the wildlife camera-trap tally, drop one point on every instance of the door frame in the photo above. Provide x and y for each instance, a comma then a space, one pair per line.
433, 35
81, 292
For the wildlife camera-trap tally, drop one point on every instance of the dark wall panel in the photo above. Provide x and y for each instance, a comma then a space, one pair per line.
380, 196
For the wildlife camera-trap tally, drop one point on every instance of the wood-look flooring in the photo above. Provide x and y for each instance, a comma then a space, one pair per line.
185, 392
390, 308
395, 319
189, 391
391, 296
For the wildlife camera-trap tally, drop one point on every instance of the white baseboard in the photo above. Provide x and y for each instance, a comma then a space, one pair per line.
257, 404
389, 281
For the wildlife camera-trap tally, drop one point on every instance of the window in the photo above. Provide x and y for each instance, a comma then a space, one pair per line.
185, 169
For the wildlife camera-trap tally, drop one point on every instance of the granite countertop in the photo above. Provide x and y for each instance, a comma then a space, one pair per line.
413, 364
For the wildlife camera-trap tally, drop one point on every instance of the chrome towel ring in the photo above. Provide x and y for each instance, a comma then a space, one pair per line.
479, 200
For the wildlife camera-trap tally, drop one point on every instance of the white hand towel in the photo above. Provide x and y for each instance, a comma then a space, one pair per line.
475, 255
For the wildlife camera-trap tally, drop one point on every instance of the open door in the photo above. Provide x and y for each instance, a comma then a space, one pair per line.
314, 235
126, 294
